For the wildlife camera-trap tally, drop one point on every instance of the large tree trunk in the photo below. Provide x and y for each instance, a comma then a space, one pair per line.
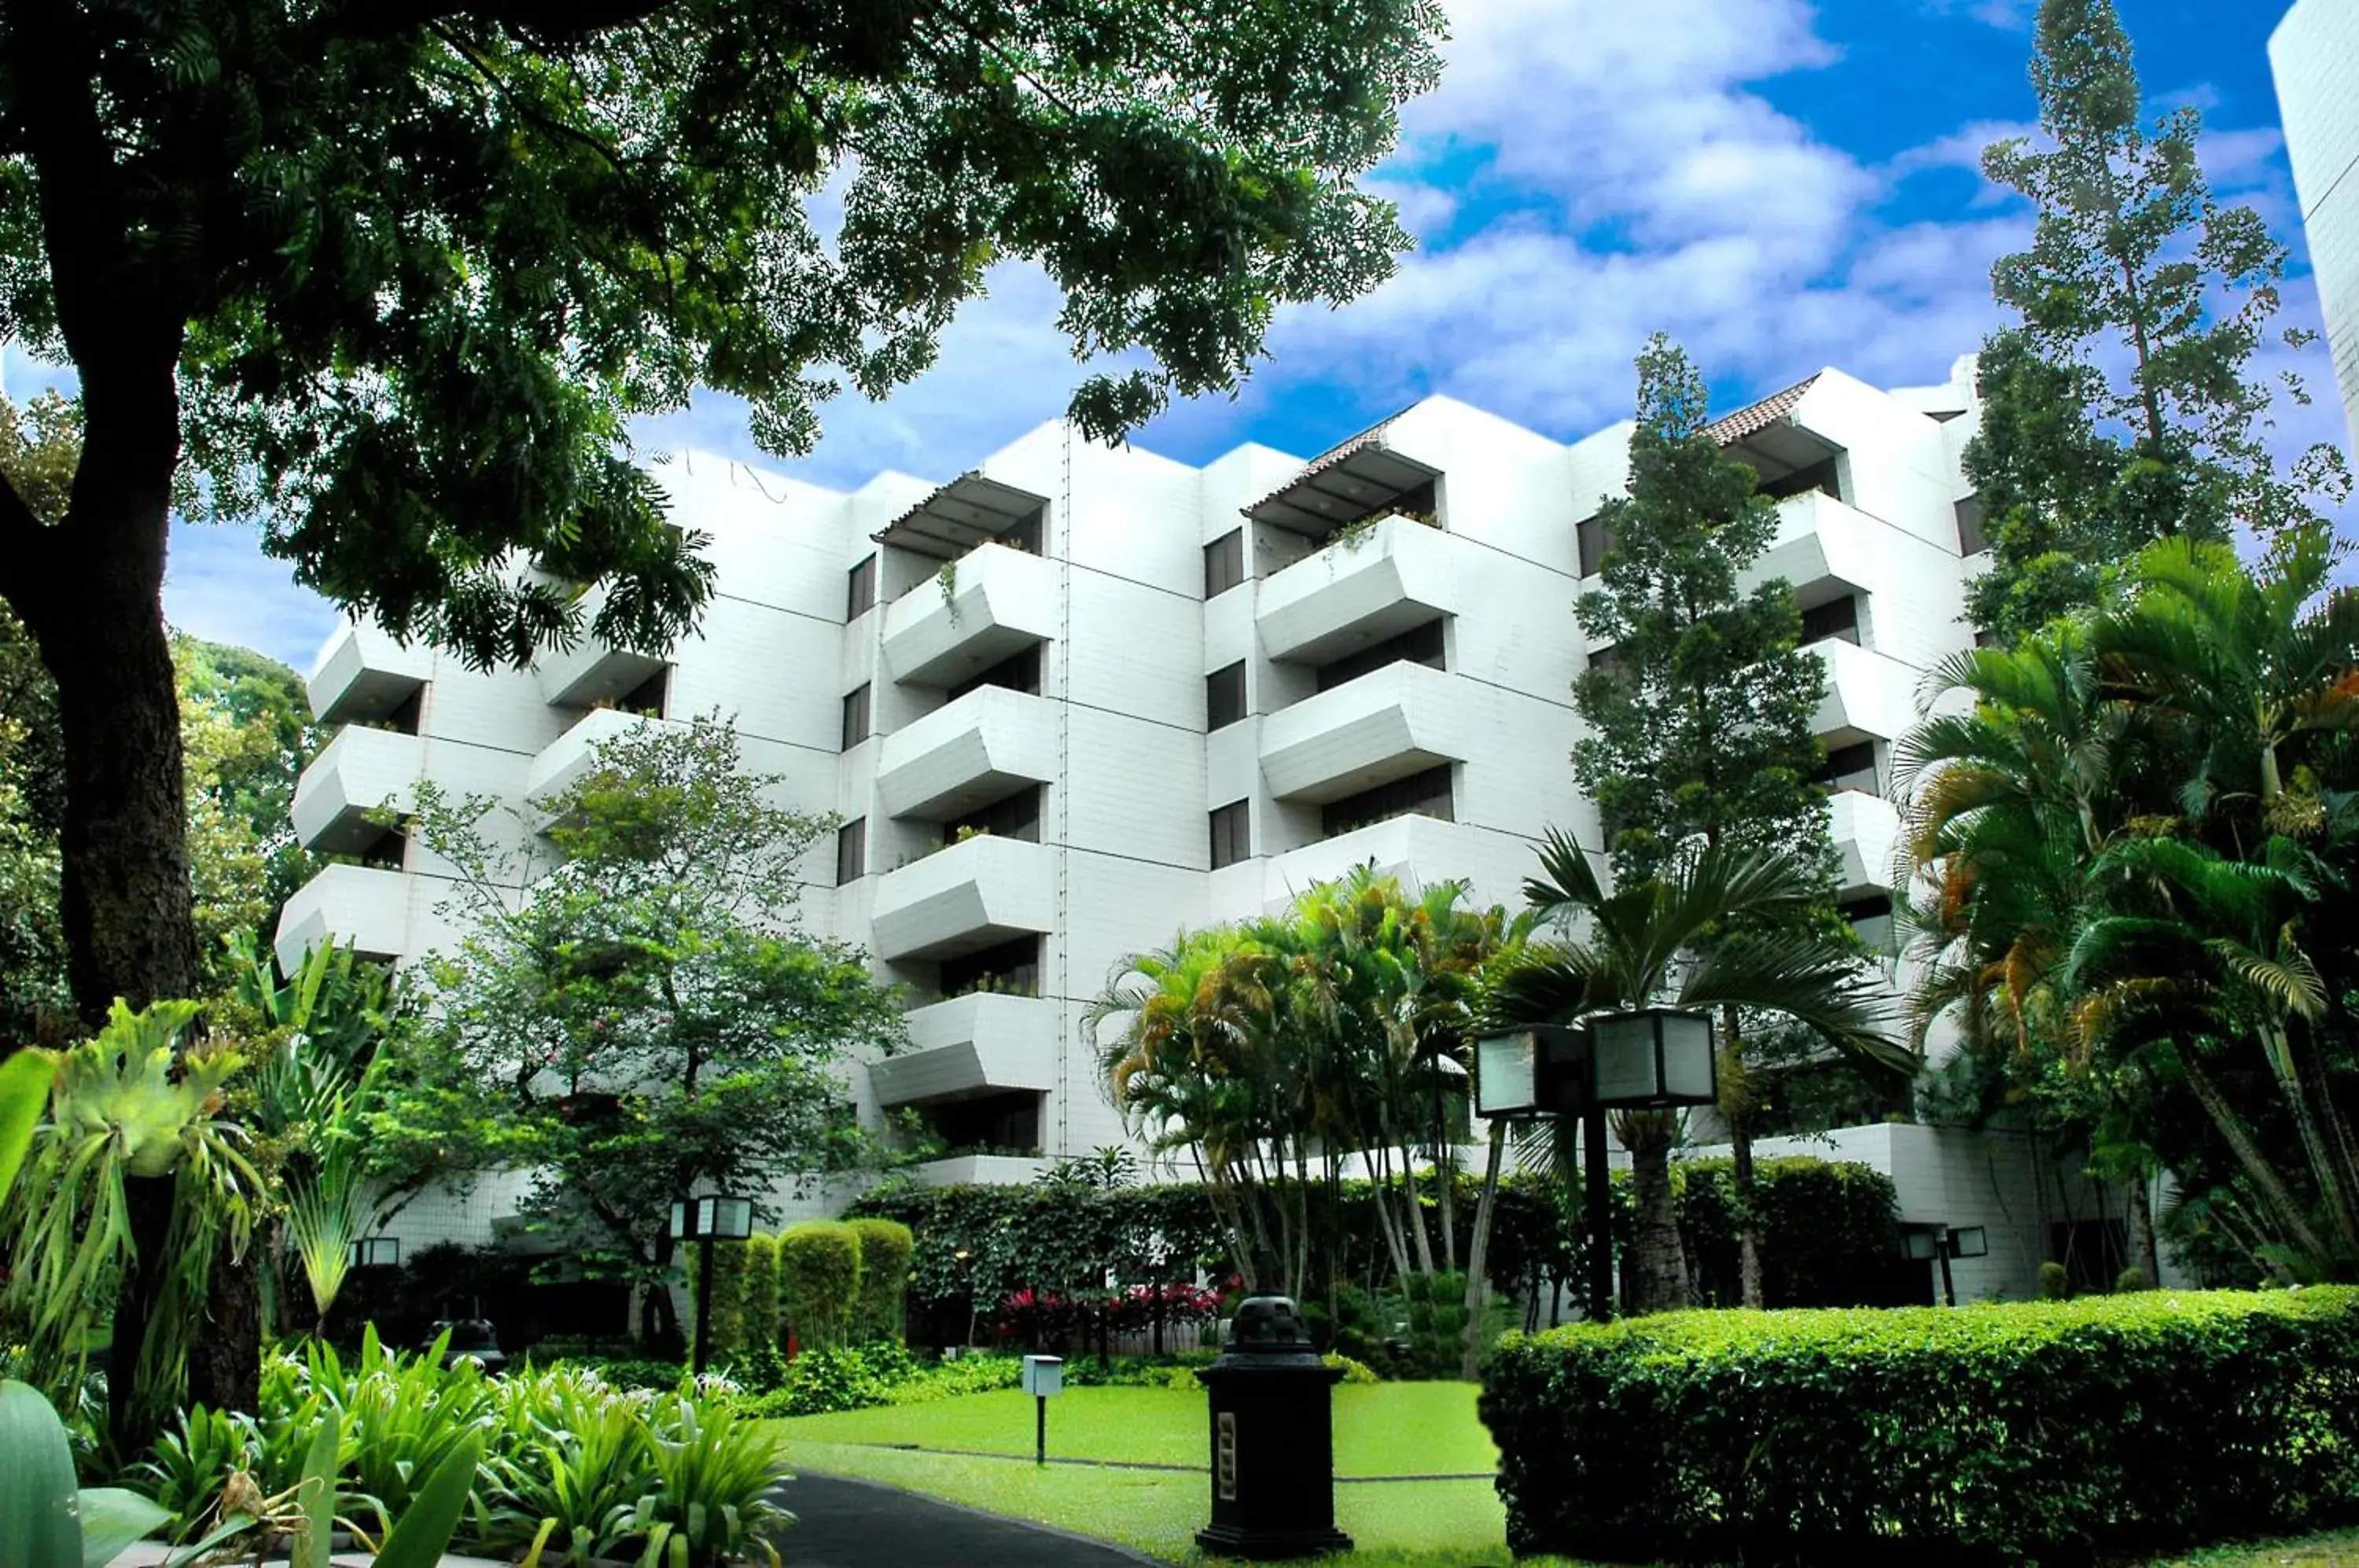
1656, 1280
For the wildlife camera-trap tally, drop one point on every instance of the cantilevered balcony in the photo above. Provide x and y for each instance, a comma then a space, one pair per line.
363, 674
565, 759
982, 1043
362, 772
590, 669
1867, 834
999, 600
1387, 725
1423, 851
358, 905
1869, 696
968, 896
967, 754
1400, 575
1825, 547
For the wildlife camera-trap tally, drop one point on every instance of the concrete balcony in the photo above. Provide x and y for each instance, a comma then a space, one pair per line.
1869, 696
363, 673
1867, 834
1423, 850
972, 1045
1824, 548
982, 1170
982, 748
361, 771
565, 759
355, 906
579, 676
1002, 600
966, 897
1387, 725
1398, 575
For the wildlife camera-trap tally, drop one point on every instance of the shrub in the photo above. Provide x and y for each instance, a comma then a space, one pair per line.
2055, 1284
757, 1303
885, 1250
622, 1372
1829, 1231
819, 1281
1354, 1371
2132, 1279
2036, 1432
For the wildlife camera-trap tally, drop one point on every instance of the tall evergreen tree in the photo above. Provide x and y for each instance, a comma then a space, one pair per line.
2125, 407
1699, 725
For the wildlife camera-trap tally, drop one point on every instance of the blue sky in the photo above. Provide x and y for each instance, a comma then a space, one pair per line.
1779, 184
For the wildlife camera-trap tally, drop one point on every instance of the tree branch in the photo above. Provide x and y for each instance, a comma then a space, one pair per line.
24, 550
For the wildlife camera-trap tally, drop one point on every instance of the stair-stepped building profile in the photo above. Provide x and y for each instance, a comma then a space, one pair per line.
1083, 697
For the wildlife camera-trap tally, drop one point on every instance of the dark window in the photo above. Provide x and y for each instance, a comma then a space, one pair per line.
1225, 696
1835, 619
410, 714
1004, 1123
1869, 907
1011, 968
1026, 535
1851, 767
1595, 540
1224, 563
390, 847
1425, 794
860, 595
1820, 477
855, 716
1232, 834
1017, 672
649, 697
1422, 503
1418, 645
852, 851
1986, 639
1612, 660
1970, 525
1017, 817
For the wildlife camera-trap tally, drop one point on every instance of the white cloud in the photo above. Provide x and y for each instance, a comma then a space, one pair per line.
2013, 15
219, 585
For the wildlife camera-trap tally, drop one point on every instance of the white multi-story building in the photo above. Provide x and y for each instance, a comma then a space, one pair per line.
1082, 698
2314, 54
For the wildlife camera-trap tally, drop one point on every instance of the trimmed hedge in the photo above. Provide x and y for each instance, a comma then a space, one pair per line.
884, 1250
758, 1307
819, 1283
2034, 1431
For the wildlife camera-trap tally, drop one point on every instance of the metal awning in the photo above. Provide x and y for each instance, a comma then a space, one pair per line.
963, 514
1765, 435
1342, 486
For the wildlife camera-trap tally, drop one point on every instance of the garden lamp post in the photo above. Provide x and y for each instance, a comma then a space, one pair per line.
1644, 1059
714, 1217
1940, 1243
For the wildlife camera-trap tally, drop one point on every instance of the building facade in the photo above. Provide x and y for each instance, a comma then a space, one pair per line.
1082, 698
2314, 54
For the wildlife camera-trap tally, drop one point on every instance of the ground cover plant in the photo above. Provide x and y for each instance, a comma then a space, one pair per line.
2031, 1433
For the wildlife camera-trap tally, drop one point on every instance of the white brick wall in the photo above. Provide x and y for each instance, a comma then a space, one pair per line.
2315, 54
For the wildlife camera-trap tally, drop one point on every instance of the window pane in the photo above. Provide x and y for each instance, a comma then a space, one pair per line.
861, 595
855, 716
1426, 794
1595, 540
1231, 831
852, 851
1225, 696
1418, 645
1835, 619
1224, 563
1970, 525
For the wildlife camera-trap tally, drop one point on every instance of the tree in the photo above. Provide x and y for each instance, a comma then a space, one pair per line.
642, 1020
393, 278
1653, 940
2124, 408
1699, 725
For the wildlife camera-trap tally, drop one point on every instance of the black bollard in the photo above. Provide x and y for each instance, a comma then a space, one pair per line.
1273, 1439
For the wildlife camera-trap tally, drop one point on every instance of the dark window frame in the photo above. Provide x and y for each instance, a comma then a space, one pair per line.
852, 851
860, 590
1015, 816
1224, 563
1019, 671
1416, 795
1837, 620
1593, 538
1231, 833
1427, 643
1225, 692
858, 720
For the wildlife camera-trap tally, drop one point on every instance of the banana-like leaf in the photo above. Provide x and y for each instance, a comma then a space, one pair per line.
424, 1529
112, 1518
318, 1492
25, 1080
38, 1499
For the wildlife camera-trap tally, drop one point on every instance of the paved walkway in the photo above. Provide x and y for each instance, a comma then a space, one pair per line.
842, 1523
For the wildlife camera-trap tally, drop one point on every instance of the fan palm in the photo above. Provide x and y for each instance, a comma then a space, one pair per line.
1654, 942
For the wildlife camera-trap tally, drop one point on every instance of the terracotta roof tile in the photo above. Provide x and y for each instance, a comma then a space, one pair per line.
1752, 419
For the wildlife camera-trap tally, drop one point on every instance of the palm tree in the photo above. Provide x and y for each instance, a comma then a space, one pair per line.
1654, 942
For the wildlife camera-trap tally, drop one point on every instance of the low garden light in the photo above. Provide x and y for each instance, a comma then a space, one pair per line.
1939, 1244
707, 1220
1643, 1059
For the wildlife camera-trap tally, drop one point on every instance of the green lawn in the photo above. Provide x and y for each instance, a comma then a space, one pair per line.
1390, 1428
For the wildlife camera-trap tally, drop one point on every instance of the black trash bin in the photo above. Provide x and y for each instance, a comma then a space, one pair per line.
1273, 1439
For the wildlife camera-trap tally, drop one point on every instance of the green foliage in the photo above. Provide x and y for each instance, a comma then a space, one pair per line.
819, 1283
2055, 1281
2130, 1280
710, 1499
663, 955
730, 1273
885, 1247
2122, 1426
1825, 1226
757, 1303
1354, 1371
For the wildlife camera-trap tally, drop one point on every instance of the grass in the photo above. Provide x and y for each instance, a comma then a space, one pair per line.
1387, 1430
